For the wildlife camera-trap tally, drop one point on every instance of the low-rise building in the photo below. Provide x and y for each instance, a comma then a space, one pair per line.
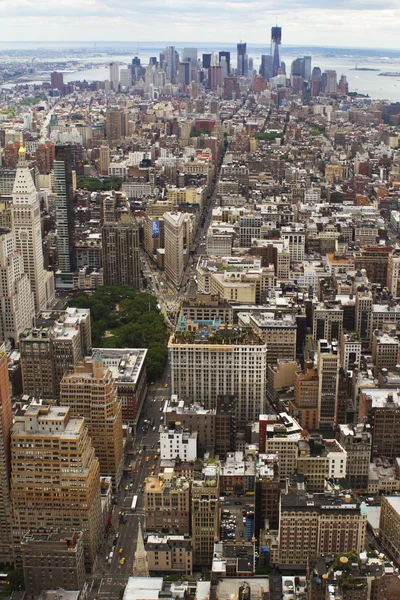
169, 554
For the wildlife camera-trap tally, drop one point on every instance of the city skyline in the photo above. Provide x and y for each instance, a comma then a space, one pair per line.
108, 20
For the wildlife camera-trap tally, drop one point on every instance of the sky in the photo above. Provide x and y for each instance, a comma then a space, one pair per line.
346, 23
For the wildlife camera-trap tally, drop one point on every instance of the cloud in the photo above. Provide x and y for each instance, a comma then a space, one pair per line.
309, 22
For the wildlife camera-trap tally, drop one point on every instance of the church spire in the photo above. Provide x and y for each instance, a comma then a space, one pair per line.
140, 564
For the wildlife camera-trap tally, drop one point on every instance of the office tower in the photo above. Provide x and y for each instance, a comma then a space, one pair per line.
267, 490
55, 478
50, 350
231, 88
328, 367
225, 426
136, 67
205, 510
171, 63
125, 78
116, 126
63, 188
28, 235
167, 503
120, 249
233, 373
242, 60
350, 352
364, 316
227, 56
266, 67
17, 305
184, 73
224, 67
190, 54
45, 155
114, 75
174, 246
329, 82
306, 93
215, 77
356, 440
140, 563
328, 322
298, 67
276, 40
316, 82
305, 402
6, 419
206, 61
53, 560
312, 525
91, 392
104, 159
57, 81
385, 351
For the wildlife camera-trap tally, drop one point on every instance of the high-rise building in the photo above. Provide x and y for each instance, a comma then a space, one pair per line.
227, 56
120, 247
63, 187
55, 559
117, 121
364, 316
215, 77
231, 88
206, 61
242, 60
28, 235
312, 525
45, 155
91, 392
55, 478
205, 511
57, 81
167, 503
267, 492
174, 246
328, 322
389, 525
6, 420
356, 440
104, 159
328, 367
329, 82
305, 402
184, 73
190, 54
266, 67
316, 81
276, 40
48, 351
17, 305
380, 408
114, 75
230, 364
171, 63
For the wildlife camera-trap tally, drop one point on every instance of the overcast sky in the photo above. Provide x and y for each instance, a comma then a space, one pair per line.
357, 23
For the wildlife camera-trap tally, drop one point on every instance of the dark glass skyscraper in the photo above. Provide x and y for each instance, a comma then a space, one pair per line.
276, 40
242, 60
228, 60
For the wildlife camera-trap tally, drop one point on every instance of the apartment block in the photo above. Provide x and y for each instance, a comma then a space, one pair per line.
357, 442
53, 560
120, 242
389, 526
320, 459
385, 351
267, 490
6, 420
279, 334
53, 463
169, 554
280, 434
167, 503
176, 442
91, 392
205, 514
304, 406
380, 408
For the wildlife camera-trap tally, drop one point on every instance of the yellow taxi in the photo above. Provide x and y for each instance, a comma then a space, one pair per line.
122, 561
121, 550
155, 456
166, 385
147, 458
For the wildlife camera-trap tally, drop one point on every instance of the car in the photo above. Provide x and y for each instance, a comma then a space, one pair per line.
152, 474
154, 428
161, 409
147, 458
244, 519
122, 561
155, 456
121, 551
161, 399
126, 488
166, 385
153, 467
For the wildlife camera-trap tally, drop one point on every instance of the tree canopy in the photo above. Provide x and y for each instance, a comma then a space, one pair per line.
122, 317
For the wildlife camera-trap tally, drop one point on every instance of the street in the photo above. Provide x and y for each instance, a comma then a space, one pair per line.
107, 579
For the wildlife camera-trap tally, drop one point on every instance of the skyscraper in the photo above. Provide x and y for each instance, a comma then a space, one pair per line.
17, 305
328, 366
55, 479
171, 60
91, 392
242, 60
63, 188
276, 39
120, 244
114, 75
57, 81
227, 55
6, 419
266, 66
174, 246
28, 234
190, 54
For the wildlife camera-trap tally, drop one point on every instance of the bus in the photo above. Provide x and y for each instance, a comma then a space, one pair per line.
134, 502
4, 579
